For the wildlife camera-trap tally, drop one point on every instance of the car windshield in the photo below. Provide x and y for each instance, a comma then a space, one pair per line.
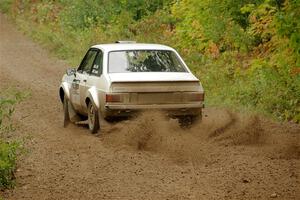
144, 61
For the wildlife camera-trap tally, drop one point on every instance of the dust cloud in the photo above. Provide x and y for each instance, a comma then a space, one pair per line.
154, 132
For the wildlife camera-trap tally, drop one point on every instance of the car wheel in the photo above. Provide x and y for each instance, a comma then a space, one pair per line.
66, 111
188, 120
185, 121
93, 118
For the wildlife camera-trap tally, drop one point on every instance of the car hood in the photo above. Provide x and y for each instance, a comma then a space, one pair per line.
151, 77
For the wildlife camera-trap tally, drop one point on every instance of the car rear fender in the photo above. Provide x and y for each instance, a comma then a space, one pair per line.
92, 95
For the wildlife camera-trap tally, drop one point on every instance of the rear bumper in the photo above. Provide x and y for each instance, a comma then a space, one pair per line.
171, 109
153, 106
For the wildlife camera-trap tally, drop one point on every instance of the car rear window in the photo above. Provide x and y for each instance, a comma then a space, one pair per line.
144, 61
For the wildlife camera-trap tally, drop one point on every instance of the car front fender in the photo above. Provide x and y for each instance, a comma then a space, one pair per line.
66, 90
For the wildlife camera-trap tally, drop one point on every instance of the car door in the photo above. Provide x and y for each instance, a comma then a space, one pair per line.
95, 78
79, 87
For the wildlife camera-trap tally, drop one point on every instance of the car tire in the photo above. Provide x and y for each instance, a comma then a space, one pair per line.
93, 118
66, 111
188, 120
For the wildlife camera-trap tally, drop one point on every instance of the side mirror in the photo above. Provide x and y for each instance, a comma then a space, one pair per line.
71, 71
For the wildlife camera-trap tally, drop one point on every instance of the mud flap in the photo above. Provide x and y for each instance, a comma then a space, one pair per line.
72, 114
104, 125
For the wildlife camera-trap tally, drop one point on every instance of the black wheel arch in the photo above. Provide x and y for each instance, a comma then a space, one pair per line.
61, 94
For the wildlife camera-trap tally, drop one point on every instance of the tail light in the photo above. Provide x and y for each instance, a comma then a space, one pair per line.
113, 98
197, 97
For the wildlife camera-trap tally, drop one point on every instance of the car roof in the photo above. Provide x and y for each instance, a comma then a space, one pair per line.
131, 46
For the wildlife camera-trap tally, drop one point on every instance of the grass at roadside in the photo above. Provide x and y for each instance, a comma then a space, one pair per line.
9, 148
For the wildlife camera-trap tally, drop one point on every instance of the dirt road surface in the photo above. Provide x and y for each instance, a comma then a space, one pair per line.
226, 156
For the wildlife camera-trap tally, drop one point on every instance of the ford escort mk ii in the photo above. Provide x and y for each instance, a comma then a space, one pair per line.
115, 80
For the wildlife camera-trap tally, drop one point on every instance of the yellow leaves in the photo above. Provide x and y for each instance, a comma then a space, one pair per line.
213, 50
295, 71
168, 30
252, 19
248, 8
262, 22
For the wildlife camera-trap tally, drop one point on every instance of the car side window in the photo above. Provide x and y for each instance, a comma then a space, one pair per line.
98, 64
87, 62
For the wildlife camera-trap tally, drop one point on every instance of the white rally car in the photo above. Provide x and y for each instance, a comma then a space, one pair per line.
120, 79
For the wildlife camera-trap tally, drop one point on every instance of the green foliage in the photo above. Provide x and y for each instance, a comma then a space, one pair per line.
5, 5
8, 157
288, 25
7, 109
246, 53
8, 149
85, 14
91, 13
210, 22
